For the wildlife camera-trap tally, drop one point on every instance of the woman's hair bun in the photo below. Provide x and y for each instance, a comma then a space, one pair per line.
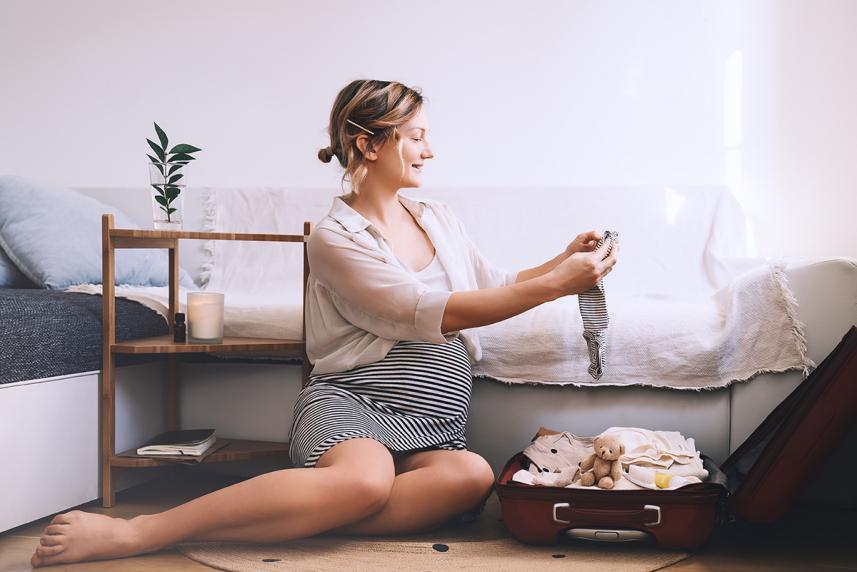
325, 155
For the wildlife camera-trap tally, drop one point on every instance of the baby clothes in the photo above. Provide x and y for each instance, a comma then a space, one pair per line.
656, 479
668, 452
551, 453
531, 476
593, 310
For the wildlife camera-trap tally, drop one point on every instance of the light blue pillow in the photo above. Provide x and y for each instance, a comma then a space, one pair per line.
53, 235
10, 276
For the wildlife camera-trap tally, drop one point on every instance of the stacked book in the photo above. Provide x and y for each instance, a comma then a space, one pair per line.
192, 442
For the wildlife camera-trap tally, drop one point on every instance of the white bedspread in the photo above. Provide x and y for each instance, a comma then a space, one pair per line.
696, 342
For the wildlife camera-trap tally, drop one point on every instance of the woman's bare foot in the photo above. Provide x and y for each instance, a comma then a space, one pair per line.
77, 536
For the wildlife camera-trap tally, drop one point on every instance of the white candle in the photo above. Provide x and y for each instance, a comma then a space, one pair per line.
205, 317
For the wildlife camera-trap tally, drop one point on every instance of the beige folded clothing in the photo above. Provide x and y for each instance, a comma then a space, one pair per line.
552, 453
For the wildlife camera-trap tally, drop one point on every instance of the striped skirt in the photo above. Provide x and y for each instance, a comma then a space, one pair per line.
416, 397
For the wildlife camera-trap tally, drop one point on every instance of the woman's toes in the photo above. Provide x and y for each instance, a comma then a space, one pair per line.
50, 539
66, 517
56, 529
45, 552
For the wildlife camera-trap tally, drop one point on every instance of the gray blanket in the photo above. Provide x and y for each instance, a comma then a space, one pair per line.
44, 333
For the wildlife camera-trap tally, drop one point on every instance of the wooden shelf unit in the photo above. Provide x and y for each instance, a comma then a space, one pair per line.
238, 449
166, 345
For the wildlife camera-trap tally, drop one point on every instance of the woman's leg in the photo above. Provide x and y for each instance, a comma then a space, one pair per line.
433, 487
351, 480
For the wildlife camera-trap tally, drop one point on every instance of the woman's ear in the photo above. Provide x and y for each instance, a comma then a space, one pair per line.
366, 149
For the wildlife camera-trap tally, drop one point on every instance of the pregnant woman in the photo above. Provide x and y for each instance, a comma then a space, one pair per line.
394, 291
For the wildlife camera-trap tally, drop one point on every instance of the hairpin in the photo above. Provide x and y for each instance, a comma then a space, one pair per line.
360, 126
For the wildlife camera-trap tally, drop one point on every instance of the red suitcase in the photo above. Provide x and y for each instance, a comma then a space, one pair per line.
757, 483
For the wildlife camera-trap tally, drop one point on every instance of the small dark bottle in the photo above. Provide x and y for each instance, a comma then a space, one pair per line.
180, 329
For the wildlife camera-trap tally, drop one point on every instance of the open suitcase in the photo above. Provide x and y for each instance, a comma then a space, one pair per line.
757, 483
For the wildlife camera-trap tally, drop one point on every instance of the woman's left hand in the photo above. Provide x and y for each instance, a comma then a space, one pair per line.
585, 242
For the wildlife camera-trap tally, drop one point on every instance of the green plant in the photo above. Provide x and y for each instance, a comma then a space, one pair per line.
169, 163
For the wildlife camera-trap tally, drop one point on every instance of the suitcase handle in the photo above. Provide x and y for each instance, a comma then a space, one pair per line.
609, 516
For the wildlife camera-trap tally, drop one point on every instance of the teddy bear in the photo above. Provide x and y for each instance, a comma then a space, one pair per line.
603, 466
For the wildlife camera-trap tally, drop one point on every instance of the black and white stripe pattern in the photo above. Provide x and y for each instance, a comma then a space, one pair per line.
416, 397
593, 310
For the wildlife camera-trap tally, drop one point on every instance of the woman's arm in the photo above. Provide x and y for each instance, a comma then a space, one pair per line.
542, 269
571, 274
474, 308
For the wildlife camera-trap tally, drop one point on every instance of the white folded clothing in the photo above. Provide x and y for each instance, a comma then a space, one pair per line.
661, 448
693, 469
548, 480
656, 479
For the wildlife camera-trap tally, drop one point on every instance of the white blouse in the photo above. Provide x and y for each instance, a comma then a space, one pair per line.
361, 299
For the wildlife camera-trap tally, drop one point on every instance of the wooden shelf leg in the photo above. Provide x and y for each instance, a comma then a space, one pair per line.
108, 370
173, 270
108, 416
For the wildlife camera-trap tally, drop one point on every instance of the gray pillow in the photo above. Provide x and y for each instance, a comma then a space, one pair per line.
53, 235
10, 276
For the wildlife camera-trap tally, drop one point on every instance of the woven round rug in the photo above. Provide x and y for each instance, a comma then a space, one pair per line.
481, 544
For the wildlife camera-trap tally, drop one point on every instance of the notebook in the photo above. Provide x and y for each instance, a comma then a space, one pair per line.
182, 442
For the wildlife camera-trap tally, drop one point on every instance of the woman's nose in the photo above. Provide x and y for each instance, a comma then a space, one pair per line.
427, 153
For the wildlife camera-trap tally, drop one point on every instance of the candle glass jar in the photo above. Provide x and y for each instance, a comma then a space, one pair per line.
205, 317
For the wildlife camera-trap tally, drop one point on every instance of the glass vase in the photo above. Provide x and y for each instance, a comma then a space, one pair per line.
167, 189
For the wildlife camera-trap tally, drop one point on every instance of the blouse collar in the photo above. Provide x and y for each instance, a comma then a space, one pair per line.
353, 221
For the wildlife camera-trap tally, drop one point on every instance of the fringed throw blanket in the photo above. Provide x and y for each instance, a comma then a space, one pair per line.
695, 342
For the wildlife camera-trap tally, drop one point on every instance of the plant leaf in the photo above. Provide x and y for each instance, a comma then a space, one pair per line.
172, 193
184, 148
175, 178
158, 151
175, 168
162, 200
159, 189
154, 160
161, 135
181, 157
171, 210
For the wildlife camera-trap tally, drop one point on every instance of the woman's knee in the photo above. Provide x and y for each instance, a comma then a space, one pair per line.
474, 473
363, 470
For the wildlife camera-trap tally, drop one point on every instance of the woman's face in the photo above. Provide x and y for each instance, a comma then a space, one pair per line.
415, 151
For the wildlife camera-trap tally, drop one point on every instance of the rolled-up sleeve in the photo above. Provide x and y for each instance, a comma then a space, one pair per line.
375, 295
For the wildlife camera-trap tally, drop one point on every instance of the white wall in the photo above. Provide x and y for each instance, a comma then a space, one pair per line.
520, 93
800, 127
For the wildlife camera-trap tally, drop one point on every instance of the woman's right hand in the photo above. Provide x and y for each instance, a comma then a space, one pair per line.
582, 270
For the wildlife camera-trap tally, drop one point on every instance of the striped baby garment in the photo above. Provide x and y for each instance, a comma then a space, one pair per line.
593, 310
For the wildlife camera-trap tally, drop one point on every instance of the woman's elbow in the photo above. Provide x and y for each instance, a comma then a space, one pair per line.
451, 321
